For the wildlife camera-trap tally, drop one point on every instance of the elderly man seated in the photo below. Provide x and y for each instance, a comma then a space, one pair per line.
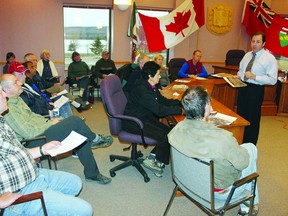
196, 137
20, 175
27, 124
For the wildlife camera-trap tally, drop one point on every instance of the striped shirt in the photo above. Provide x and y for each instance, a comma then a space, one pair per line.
17, 166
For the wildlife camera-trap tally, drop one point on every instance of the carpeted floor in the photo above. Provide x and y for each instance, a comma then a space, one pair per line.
129, 195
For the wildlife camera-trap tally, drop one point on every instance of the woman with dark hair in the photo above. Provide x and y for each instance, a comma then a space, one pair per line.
79, 74
10, 58
146, 103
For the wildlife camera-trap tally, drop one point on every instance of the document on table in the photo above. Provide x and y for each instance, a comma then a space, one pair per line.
61, 101
221, 119
182, 80
70, 142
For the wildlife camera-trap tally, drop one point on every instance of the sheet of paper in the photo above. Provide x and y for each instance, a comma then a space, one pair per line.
62, 100
182, 80
59, 93
70, 142
225, 117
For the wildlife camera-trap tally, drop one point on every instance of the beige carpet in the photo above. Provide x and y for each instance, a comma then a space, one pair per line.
129, 195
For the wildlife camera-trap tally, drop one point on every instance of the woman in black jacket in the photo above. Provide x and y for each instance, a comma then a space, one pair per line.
146, 103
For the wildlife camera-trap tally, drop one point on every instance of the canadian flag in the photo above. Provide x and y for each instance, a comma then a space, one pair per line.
169, 30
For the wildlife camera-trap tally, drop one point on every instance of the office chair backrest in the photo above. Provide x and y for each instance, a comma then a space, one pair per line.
174, 66
114, 101
194, 176
233, 57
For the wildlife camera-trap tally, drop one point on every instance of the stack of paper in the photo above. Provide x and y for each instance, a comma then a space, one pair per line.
221, 119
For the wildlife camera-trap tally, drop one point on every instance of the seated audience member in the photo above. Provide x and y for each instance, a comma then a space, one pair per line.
20, 176
27, 124
10, 58
136, 74
164, 80
39, 84
193, 68
79, 74
37, 101
46, 67
146, 103
104, 66
47, 86
231, 160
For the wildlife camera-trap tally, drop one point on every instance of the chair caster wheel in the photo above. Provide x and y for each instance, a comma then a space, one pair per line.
112, 174
112, 159
146, 179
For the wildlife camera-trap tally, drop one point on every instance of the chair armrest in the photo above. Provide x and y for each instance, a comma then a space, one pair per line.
28, 197
34, 139
245, 180
130, 118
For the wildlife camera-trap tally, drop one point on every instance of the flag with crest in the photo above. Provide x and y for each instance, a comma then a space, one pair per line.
259, 17
133, 32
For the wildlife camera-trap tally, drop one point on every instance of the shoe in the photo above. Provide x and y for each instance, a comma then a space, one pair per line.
104, 141
154, 166
255, 211
82, 108
86, 103
75, 155
101, 179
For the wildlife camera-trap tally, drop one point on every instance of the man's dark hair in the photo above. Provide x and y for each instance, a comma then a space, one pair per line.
73, 55
149, 68
262, 34
9, 55
194, 101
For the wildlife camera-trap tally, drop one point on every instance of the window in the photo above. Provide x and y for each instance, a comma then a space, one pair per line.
143, 44
87, 31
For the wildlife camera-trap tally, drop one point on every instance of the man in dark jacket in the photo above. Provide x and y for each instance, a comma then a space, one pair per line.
146, 103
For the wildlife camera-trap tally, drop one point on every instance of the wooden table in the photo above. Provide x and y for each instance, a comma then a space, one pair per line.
269, 105
283, 98
237, 127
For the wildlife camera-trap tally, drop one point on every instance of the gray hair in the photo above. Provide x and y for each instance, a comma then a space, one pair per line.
194, 101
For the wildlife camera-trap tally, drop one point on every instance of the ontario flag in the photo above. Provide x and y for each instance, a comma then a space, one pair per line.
259, 17
169, 30
134, 32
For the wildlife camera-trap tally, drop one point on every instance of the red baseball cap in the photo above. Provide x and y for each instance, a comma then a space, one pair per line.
16, 67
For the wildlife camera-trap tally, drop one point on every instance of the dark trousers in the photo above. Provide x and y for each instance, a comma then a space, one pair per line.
156, 130
84, 84
62, 129
249, 102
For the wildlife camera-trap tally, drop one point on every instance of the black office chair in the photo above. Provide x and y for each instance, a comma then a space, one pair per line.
234, 56
174, 66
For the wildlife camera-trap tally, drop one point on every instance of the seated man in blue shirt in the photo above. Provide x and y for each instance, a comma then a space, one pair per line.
193, 68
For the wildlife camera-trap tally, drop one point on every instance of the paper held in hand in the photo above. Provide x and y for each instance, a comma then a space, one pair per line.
70, 142
59, 93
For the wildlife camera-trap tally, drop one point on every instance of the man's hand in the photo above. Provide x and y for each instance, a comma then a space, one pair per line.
55, 120
192, 76
8, 198
50, 145
249, 75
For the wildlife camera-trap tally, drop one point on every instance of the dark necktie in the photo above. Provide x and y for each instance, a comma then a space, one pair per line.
249, 66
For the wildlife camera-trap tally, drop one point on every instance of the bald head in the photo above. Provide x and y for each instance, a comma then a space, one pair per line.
10, 85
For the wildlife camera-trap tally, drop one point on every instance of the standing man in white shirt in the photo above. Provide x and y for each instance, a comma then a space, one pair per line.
257, 72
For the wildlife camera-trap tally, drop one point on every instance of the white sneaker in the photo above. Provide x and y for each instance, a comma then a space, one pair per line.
153, 166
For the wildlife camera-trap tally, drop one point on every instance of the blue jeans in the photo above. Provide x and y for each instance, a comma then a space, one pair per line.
59, 191
252, 167
65, 111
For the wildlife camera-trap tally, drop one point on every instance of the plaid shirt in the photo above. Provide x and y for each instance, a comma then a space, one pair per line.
17, 166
